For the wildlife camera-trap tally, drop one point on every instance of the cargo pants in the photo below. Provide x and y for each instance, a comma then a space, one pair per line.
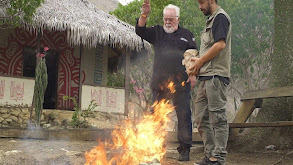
211, 118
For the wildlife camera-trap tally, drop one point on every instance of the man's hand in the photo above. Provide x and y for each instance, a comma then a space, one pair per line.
196, 66
146, 8
192, 79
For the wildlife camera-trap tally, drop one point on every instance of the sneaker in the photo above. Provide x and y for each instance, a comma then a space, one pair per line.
206, 161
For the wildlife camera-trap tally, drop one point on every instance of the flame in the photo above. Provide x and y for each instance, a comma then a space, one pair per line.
135, 143
171, 87
183, 83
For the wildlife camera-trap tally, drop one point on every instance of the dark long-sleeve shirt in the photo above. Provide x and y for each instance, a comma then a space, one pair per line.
169, 49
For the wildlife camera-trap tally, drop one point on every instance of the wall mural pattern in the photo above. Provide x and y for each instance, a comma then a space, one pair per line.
98, 74
68, 65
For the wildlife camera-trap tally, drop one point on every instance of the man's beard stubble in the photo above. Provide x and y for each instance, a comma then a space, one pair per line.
208, 11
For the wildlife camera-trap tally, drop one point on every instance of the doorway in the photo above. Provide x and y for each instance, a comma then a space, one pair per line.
29, 66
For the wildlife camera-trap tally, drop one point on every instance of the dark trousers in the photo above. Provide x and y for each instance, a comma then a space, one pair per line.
181, 101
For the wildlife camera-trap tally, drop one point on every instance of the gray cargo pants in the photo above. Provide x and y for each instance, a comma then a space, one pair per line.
211, 118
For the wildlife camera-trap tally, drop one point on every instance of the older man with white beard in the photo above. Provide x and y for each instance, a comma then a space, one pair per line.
170, 42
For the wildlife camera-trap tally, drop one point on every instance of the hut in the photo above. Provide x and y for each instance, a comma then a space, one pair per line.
84, 43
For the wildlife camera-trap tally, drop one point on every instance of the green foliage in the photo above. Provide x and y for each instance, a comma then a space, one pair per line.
140, 72
20, 11
41, 82
252, 39
115, 79
76, 121
252, 33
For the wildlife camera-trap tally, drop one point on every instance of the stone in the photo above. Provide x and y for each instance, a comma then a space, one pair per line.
4, 122
25, 118
25, 110
25, 121
14, 119
3, 111
46, 125
15, 112
9, 120
42, 117
1, 119
5, 116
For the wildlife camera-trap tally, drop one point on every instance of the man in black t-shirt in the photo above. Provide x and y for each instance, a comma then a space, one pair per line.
170, 42
213, 71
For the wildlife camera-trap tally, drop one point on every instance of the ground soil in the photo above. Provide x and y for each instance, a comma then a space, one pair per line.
53, 152
17, 151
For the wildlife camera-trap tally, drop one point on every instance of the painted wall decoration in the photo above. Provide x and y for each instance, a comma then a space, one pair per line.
96, 95
98, 77
2, 89
68, 64
16, 91
110, 100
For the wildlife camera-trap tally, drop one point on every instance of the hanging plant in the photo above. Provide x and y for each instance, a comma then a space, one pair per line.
41, 82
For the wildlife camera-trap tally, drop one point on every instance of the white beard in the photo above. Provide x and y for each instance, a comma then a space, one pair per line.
169, 29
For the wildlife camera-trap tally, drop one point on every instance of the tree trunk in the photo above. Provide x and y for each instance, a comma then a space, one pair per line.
280, 109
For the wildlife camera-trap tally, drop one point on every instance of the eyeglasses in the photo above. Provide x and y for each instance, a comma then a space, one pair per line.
172, 19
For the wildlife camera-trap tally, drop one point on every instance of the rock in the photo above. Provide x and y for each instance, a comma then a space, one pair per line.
14, 119
15, 113
3, 111
271, 147
5, 116
153, 162
9, 121
4, 122
46, 125
1, 119
8, 153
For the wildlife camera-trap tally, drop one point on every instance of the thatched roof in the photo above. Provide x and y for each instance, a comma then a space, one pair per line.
85, 24
105, 5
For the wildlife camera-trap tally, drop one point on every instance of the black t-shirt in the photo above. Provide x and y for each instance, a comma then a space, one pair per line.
220, 27
169, 49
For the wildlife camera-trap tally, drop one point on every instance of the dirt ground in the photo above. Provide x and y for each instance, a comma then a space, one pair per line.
16, 151
53, 152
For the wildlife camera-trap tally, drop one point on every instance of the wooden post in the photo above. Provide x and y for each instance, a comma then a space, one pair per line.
127, 82
242, 115
81, 53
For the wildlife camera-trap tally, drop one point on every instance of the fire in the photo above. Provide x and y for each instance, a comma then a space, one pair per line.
135, 143
171, 87
183, 83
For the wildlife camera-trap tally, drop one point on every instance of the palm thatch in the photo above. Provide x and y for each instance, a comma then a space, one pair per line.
85, 24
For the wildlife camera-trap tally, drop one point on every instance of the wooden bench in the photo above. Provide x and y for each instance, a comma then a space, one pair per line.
253, 99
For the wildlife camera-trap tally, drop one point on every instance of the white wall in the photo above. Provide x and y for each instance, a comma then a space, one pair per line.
110, 100
94, 64
16, 91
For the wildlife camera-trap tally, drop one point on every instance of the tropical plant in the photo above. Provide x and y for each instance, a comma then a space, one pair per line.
41, 82
116, 79
79, 117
